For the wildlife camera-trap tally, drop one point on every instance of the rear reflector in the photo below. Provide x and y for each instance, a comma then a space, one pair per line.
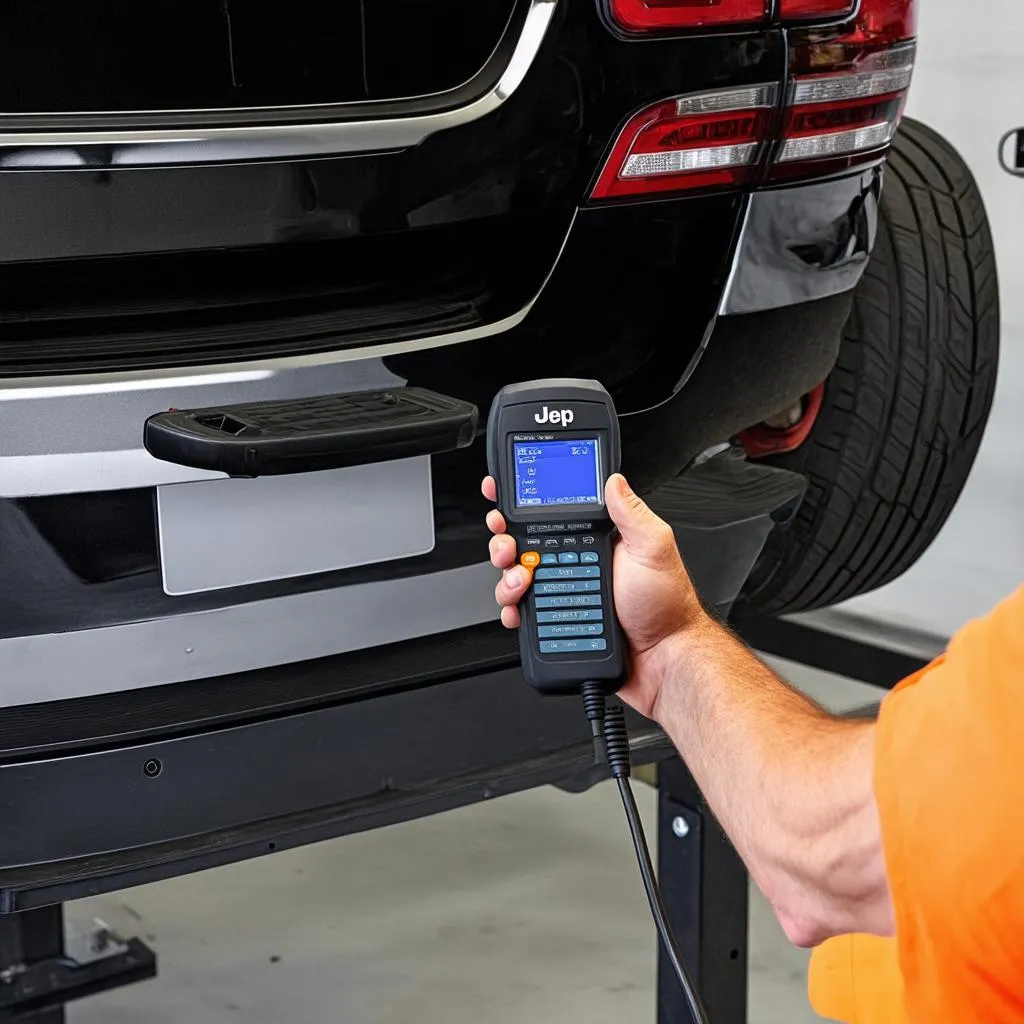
696, 141
665, 15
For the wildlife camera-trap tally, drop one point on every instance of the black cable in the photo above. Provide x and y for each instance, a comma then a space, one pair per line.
594, 705
616, 750
668, 939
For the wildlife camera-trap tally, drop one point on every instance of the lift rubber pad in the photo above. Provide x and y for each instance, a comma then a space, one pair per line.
724, 491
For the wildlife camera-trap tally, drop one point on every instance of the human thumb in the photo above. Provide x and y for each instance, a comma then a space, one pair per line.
645, 535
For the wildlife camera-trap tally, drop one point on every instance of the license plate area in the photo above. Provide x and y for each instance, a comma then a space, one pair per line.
215, 534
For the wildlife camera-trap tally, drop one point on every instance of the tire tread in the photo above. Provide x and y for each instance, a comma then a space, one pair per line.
906, 405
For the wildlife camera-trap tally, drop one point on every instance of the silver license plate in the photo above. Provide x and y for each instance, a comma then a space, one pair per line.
229, 533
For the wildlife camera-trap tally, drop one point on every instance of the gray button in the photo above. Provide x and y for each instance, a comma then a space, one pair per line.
568, 587
549, 558
533, 542
551, 542
572, 615
573, 646
590, 600
588, 541
568, 557
569, 542
574, 629
589, 556
578, 573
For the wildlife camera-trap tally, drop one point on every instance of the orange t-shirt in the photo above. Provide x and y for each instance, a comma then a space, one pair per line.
949, 781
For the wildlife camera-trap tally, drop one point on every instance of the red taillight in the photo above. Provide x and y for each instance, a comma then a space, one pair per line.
662, 15
793, 9
884, 21
846, 92
689, 142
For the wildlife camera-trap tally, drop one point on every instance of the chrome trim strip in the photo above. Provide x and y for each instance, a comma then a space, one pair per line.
737, 257
188, 146
243, 637
34, 476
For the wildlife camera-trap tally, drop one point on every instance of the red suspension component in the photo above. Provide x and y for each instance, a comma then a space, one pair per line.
763, 440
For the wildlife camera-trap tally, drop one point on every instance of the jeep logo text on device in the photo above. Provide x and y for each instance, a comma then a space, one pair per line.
555, 416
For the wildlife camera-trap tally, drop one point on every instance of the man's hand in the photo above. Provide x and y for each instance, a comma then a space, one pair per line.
791, 786
654, 598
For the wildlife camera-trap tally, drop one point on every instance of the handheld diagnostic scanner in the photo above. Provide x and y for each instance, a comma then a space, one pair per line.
551, 445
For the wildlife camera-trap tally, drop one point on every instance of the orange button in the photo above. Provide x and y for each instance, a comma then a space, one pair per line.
531, 559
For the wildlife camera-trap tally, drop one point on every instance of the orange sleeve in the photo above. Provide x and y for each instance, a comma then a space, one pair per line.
856, 979
949, 780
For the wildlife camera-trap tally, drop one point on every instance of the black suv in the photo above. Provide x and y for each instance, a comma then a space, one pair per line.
214, 202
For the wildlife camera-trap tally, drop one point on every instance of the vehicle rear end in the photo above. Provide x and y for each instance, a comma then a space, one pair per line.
675, 198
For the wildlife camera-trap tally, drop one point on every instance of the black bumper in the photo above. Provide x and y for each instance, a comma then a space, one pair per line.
138, 812
109, 791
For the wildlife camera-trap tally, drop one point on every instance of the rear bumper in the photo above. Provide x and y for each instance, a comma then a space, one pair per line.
109, 791
92, 822
62, 636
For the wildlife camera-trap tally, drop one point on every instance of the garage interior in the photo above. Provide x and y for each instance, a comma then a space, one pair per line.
487, 912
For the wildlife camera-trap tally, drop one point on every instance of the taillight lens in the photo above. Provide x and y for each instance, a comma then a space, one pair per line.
883, 22
689, 142
663, 15
843, 105
793, 9
847, 94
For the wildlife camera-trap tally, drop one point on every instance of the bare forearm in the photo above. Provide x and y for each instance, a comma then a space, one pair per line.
790, 784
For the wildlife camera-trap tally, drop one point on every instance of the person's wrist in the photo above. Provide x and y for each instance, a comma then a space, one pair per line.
672, 656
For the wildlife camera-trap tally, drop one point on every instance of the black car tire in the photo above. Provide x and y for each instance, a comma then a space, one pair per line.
905, 408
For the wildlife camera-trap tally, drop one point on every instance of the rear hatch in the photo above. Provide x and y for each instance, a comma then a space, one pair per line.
123, 57
502, 226
110, 263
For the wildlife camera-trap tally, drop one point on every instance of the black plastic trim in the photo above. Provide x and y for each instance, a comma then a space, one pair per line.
305, 435
229, 794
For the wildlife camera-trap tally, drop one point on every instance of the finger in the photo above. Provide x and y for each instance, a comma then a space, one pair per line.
490, 488
503, 551
510, 617
495, 521
644, 534
512, 586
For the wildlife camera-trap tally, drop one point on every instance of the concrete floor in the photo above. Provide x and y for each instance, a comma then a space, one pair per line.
528, 908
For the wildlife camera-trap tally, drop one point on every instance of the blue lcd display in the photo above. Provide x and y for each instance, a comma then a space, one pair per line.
557, 472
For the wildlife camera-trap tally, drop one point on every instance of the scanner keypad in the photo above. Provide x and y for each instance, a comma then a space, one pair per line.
569, 616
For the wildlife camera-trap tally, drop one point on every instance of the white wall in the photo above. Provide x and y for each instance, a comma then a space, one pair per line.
969, 85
